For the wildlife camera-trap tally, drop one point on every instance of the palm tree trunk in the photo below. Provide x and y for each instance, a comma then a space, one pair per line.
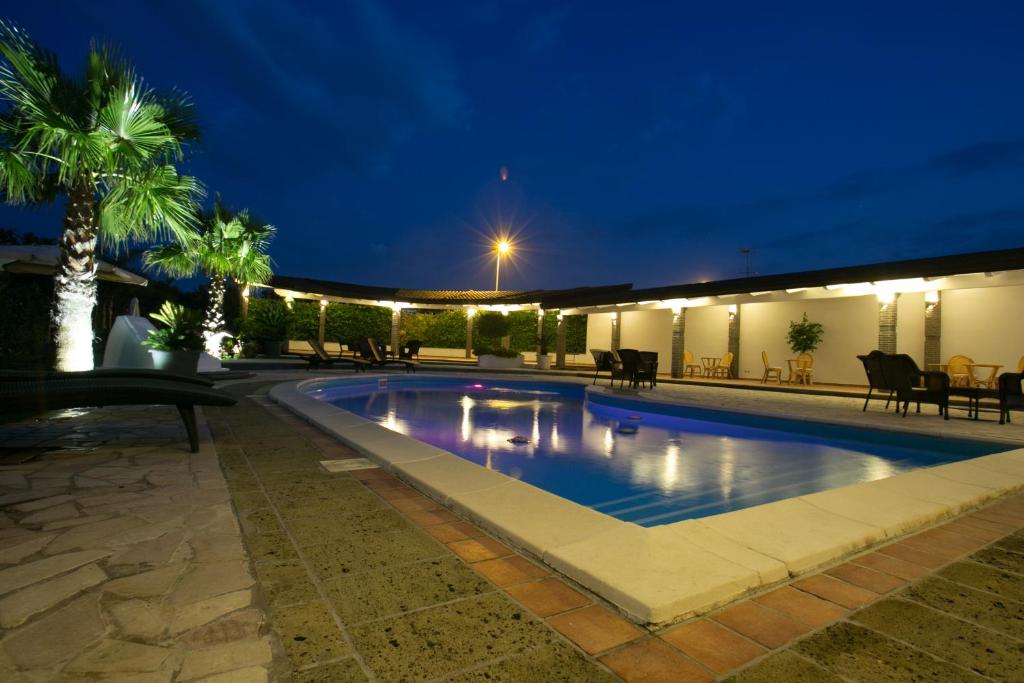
74, 287
213, 321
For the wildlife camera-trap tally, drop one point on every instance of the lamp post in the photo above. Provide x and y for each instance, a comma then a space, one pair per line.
501, 248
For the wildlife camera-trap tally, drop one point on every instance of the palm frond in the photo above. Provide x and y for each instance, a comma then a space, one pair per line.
173, 258
154, 203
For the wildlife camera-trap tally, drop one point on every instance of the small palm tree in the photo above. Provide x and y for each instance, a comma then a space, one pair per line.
108, 143
228, 244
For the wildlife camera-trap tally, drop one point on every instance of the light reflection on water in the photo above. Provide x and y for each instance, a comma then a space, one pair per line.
672, 468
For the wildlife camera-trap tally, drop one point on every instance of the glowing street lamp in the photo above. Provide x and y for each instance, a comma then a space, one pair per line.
502, 248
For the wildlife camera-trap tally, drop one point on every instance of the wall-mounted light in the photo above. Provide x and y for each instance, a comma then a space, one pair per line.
323, 303
289, 300
676, 310
245, 292
931, 297
561, 317
733, 309
886, 297
470, 312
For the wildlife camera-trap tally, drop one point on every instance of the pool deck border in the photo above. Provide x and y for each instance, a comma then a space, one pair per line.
658, 575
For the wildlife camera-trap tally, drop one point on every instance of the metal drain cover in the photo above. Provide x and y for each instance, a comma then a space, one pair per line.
347, 465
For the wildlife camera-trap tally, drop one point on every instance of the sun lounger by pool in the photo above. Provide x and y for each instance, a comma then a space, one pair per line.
320, 358
28, 393
371, 352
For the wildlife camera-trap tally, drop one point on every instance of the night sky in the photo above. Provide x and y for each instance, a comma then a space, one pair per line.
644, 142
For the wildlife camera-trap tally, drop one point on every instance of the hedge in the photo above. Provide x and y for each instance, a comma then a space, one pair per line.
435, 329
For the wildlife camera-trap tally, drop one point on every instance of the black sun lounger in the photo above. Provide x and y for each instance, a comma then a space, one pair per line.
320, 357
371, 352
27, 393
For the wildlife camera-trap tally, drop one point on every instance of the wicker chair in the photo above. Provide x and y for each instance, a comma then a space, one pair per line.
801, 370
959, 374
769, 371
724, 367
691, 368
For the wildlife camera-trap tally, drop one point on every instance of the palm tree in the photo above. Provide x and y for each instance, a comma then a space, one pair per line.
228, 244
108, 143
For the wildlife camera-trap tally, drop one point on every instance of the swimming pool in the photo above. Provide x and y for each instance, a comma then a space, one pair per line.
619, 458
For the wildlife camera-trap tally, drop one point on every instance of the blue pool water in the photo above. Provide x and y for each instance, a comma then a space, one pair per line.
690, 463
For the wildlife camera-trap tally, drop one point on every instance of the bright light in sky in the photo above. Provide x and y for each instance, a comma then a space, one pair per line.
504, 247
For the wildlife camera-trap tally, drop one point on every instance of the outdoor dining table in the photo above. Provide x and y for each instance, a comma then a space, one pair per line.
988, 382
710, 363
796, 368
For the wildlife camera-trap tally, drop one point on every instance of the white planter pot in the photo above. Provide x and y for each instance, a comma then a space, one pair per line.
497, 363
544, 362
176, 362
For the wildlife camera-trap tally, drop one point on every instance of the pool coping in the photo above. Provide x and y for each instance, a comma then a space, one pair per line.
661, 574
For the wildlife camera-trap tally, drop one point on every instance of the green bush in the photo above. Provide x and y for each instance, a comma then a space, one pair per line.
305, 320
575, 334
437, 329
347, 322
491, 326
494, 351
268, 320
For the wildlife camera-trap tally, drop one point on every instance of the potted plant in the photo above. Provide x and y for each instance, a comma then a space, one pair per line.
176, 347
269, 323
543, 360
493, 351
804, 336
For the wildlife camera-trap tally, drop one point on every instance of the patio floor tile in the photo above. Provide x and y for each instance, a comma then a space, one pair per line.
865, 655
557, 661
479, 549
444, 639
973, 531
834, 590
652, 661
344, 671
870, 579
425, 518
1000, 559
975, 649
509, 571
400, 589
989, 610
785, 667
891, 565
801, 606
767, 626
713, 645
985, 578
453, 531
595, 628
309, 634
932, 559
548, 597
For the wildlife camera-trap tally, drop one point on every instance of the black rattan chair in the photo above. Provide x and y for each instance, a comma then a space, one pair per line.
876, 378
411, 349
602, 362
913, 386
1010, 395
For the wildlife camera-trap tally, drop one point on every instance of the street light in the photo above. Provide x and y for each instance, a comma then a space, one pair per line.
501, 247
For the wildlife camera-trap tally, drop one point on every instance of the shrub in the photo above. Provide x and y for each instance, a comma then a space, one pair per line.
268, 320
494, 351
182, 329
804, 336
438, 329
492, 326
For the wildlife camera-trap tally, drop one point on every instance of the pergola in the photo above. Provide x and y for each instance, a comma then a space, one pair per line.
884, 280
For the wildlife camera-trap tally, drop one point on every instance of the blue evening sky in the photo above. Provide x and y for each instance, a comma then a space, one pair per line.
645, 142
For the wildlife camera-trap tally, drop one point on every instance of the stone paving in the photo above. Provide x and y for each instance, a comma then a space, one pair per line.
120, 556
120, 559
